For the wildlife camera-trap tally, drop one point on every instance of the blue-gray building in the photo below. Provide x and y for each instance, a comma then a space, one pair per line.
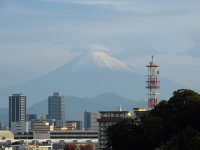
17, 108
56, 109
90, 120
17, 114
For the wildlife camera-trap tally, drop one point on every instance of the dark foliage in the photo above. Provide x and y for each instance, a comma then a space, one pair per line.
171, 125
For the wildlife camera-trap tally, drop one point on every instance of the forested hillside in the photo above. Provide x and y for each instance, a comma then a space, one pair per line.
171, 125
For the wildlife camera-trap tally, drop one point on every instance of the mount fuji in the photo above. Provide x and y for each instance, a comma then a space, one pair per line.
96, 60
89, 75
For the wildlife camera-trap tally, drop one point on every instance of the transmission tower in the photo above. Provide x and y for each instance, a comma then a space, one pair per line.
153, 84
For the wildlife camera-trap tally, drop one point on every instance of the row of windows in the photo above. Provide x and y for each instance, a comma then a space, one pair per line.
77, 137
64, 133
115, 115
106, 123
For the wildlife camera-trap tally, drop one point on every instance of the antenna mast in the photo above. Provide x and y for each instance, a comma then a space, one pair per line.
152, 84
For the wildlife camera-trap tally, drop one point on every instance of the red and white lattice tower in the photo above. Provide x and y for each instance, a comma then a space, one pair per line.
152, 84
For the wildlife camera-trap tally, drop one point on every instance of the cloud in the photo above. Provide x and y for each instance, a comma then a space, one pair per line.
13, 8
98, 47
170, 32
141, 6
78, 50
169, 29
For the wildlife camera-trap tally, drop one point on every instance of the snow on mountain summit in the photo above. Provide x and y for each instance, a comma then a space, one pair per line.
98, 59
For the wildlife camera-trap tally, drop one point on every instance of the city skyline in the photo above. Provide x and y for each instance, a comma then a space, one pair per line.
37, 32
102, 55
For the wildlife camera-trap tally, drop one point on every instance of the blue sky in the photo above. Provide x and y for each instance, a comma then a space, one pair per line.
37, 36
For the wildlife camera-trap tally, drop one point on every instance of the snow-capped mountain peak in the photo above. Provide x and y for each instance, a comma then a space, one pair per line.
98, 59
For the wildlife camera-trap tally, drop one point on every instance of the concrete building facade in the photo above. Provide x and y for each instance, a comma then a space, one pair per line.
108, 118
6, 135
53, 144
78, 124
41, 130
19, 127
76, 134
140, 112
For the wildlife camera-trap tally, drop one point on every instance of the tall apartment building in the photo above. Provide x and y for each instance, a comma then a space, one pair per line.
17, 114
90, 120
108, 118
56, 109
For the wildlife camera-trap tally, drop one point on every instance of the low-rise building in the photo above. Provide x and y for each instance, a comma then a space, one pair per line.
31, 118
2, 126
6, 135
19, 127
41, 130
139, 113
5, 147
53, 144
75, 125
109, 118
23, 136
71, 125
76, 134
28, 145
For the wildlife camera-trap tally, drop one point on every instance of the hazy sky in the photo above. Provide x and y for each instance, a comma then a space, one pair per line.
37, 36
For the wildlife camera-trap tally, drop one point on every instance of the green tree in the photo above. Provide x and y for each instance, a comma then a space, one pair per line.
171, 124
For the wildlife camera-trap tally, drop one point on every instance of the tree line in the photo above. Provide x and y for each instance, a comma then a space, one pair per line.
171, 125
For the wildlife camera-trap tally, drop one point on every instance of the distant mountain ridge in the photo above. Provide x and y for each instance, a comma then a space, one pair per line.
89, 74
75, 106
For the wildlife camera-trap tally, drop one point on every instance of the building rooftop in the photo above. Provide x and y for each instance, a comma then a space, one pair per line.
6, 135
115, 111
140, 109
20, 94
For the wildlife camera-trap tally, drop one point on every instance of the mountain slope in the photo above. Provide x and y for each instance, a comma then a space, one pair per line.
76, 106
96, 60
89, 75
